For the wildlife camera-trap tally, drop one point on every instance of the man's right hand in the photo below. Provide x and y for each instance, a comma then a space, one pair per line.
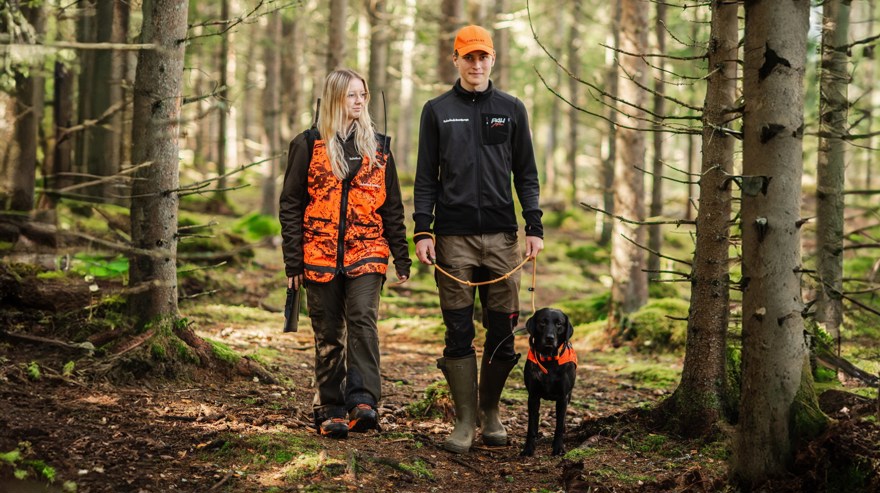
425, 251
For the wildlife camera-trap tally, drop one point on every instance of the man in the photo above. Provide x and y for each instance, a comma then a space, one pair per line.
472, 139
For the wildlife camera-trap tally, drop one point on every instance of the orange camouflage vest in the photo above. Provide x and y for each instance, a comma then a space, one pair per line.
342, 230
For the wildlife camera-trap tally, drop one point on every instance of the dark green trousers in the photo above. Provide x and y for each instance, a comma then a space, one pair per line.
344, 315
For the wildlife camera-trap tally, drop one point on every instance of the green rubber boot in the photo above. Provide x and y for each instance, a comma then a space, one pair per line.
461, 374
492, 378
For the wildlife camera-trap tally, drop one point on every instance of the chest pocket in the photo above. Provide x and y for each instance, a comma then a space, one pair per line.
496, 128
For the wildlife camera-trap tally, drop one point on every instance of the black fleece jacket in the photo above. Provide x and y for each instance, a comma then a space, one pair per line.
470, 144
295, 198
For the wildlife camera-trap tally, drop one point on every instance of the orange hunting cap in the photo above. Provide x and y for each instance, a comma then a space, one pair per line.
473, 38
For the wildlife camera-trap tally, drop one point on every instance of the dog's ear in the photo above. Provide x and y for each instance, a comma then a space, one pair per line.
530, 325
570, 329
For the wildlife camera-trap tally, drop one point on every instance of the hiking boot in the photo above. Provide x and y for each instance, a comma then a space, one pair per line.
334, 428
363, 418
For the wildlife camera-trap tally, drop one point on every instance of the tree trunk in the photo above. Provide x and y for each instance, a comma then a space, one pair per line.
574, 65
272, 111
28, 113
551, 187
223, 116
154, 202
501, 39
611, 87
407, 88
292, 76
655, 232
102, 142
62, 108
451, 19
337, 33
378, 74
629, 290
833, 104
701, 401
872, 96
774, 354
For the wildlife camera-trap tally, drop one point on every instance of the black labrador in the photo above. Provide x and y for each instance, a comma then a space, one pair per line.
549, 372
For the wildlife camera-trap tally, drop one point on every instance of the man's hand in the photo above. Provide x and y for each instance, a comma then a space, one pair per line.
425, 251
533, 246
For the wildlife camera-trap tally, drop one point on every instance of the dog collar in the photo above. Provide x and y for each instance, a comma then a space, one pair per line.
564, 355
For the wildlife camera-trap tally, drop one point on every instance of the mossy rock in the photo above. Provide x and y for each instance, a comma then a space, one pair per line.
656, 326
586, 310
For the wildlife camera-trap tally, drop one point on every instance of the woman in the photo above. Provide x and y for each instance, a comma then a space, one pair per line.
341, 217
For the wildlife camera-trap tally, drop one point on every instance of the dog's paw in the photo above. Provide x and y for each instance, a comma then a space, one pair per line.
558, 450
527, 452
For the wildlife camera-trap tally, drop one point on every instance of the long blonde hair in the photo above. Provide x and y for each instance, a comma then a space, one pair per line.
332, 120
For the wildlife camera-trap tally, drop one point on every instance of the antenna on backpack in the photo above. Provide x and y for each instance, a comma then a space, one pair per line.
385, 135
317, 113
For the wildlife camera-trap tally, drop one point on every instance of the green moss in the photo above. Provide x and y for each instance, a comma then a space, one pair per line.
183, 351
658, 289
157, 351
581, 453
590, 253
586, 310
807, 420
660, 325
224, 352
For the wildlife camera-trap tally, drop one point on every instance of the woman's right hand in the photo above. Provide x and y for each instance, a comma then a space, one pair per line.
295, 282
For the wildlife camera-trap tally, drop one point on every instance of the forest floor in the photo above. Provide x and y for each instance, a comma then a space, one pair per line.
213, 433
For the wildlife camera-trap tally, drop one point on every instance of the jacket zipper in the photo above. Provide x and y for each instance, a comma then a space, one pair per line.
478, 149
340, 239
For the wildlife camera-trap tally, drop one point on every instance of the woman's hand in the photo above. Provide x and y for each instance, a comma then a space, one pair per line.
295, 282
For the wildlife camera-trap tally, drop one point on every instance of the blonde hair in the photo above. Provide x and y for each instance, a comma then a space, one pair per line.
333, 117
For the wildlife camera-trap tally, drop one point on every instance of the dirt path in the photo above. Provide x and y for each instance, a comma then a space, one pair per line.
244, 436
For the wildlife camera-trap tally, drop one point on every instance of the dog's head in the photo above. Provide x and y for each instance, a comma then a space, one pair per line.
548, 329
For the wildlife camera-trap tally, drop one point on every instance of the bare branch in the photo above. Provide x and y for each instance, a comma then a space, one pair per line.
667, 257
676, 222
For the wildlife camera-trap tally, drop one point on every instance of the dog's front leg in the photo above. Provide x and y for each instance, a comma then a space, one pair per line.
532, 433
559, 434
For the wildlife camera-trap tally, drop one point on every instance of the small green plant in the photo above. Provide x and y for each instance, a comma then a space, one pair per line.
418, 468
98, 266
24, 468
33, 370
255, 226
427, 407
68, 368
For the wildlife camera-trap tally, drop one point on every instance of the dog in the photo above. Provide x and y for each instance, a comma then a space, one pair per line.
549, 373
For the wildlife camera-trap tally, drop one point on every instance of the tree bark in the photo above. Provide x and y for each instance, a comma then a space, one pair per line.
833, 104
272, 111
407, 88
292, 75
655, 232
154, 202
62, 108
102, 143
629, 290
336, 30
28, 113
451, 19
378, 74
611, 87
574, 65
223, 116
701, 399
774, 353
501, 39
